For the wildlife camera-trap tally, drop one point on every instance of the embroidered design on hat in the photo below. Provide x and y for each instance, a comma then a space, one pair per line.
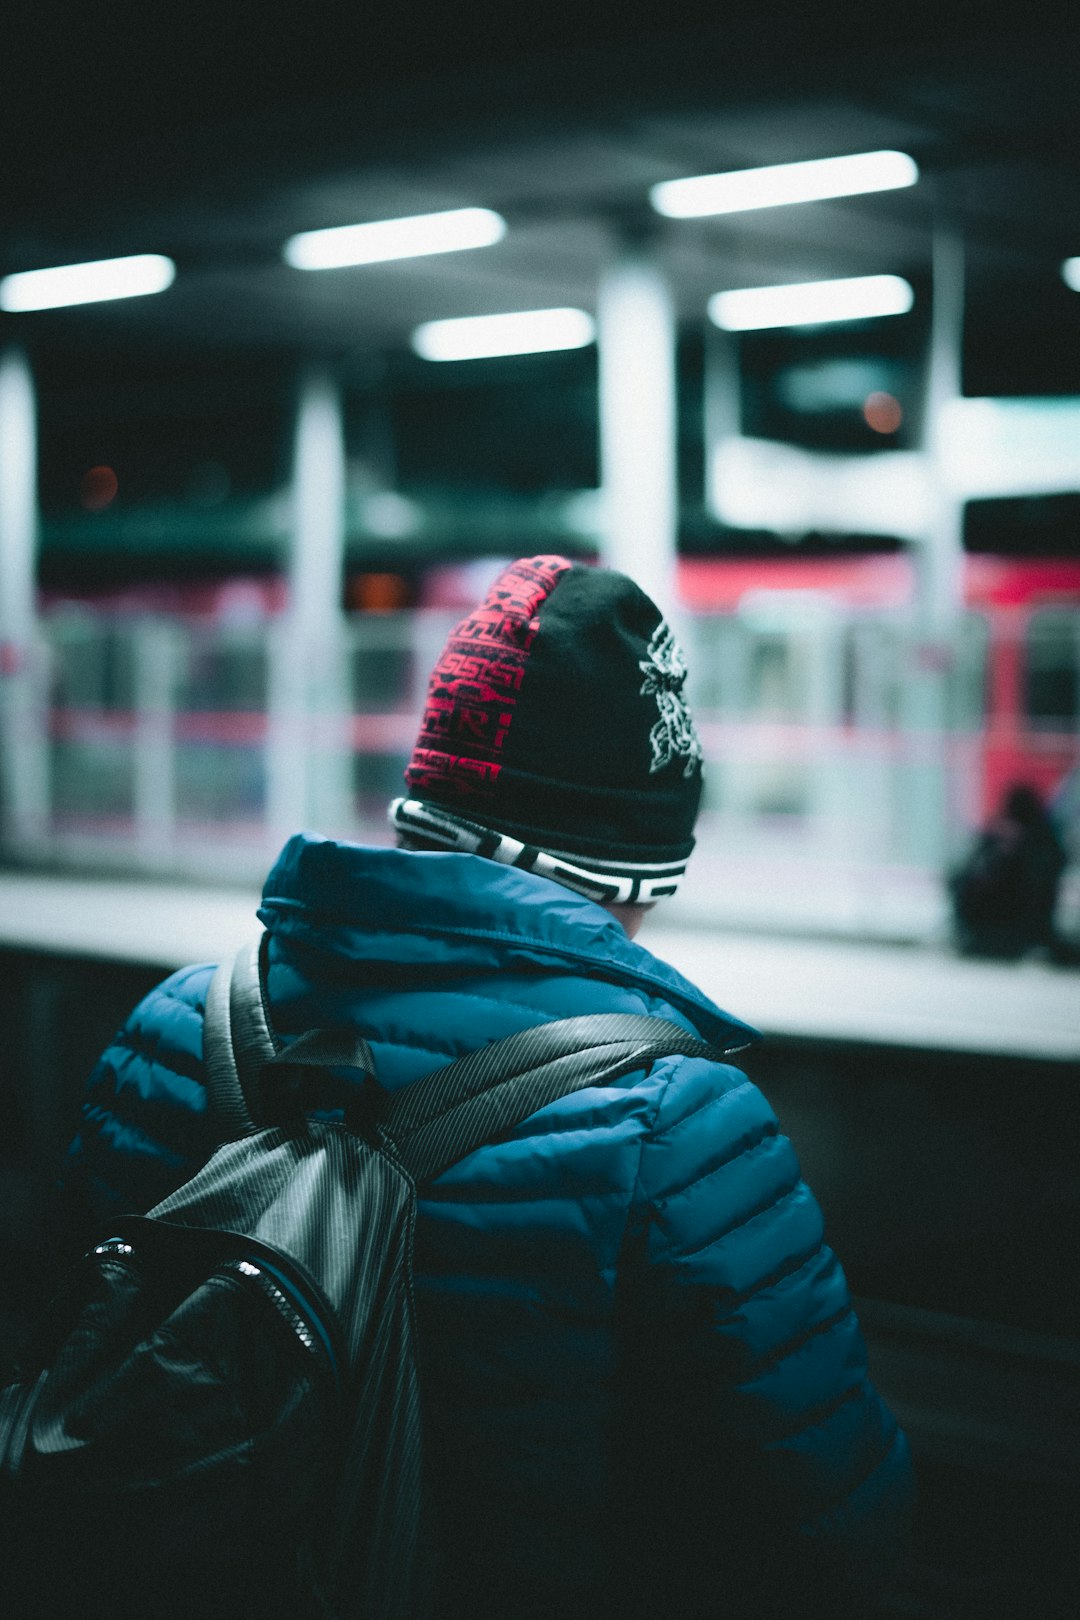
475, 685
673, 736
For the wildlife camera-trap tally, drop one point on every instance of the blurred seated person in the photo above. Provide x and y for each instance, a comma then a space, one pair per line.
1005, 893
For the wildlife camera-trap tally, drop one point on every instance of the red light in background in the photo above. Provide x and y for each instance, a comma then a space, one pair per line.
98, 488
882, 412
377, 593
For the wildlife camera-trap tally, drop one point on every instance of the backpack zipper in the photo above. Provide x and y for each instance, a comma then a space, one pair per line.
292, 1307
302, 1321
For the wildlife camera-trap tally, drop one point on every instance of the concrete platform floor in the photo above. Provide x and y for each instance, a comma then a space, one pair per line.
919, 995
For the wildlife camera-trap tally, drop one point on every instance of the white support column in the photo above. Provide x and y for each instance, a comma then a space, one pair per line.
636, 339
940, 561
23, 735
308, 766
924, 790
156, 648
318, 518
722, 407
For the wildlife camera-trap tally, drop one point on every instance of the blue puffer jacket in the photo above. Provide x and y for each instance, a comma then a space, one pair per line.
644, 1384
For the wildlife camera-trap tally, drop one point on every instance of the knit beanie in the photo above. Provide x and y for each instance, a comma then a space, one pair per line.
556, 736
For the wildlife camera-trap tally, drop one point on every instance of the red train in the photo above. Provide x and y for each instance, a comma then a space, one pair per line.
1020, 620
1018, 636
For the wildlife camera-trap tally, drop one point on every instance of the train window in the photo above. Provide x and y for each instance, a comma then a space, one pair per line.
92, 666
376, 779
773, 685
223, 673
870, 673
380, 662
92, 685
1052, 670
967, 689
714, 656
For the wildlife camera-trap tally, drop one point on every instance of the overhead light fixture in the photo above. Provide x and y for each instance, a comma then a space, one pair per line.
741, 190
481, 337
92, 283
409, 238
1070, 274
811, 303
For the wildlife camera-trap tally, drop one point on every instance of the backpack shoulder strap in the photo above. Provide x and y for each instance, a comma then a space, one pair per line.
450, 1112
237, 1042
456, 1109
250, 1077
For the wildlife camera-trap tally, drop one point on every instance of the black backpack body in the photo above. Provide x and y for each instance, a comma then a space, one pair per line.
220, 1413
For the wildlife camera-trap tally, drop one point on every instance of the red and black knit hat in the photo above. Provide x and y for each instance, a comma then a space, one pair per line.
556, 736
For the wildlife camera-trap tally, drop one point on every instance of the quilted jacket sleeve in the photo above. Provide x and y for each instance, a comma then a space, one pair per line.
767, 1441
142, 1129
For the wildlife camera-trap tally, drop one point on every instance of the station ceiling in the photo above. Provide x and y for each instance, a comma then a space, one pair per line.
213, 140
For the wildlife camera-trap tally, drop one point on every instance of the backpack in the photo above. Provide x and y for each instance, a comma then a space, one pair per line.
220, 1412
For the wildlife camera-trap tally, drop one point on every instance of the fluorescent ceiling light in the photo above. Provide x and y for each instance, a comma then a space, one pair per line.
771, 187
408, 238
1070, 274
811, 303
92, 283
529, 331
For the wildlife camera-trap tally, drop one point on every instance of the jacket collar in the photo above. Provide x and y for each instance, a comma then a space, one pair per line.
408, 908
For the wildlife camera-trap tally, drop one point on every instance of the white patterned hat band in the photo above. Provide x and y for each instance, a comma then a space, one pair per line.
614, 882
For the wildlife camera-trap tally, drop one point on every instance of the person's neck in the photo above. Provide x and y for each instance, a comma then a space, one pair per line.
629, 915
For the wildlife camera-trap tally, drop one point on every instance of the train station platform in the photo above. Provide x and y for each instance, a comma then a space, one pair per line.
872, 992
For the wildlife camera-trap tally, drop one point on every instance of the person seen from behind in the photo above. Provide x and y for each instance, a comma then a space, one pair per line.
1005, 892
645, 1390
